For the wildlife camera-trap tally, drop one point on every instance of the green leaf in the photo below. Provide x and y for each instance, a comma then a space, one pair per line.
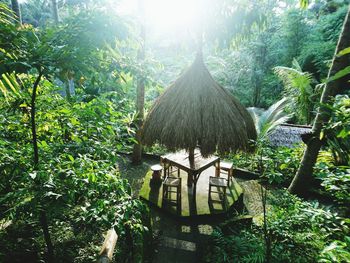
11, 83
344, 52
339, 74
3, 89
321, 135
71, 157
283, 166
74, 121
44, 144
343, 134
65, 111
304, 3
23, 105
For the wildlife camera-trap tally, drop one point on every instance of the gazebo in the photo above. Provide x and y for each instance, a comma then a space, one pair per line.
199, 116
196, 111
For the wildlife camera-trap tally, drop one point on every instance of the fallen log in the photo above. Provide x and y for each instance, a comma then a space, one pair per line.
107, 250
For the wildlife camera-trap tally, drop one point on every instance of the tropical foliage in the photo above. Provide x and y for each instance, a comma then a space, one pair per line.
68, 77
298, 87
266, 121
299, 231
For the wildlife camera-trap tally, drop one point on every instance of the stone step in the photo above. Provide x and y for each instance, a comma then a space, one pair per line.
178, 244
171, 255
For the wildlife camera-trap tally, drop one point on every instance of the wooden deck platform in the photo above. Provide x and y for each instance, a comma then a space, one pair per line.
152, 192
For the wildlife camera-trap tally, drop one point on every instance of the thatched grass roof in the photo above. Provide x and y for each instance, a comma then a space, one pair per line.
288, 135
195, 110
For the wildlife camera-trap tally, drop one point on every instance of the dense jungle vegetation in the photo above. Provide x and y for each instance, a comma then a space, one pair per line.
72, 77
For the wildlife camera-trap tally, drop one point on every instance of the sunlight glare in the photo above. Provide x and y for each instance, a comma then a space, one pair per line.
171, 14
164, 15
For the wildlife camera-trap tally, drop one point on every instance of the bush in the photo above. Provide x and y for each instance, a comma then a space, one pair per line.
337, 251
300, 231
335, 180
280, 164
77, 182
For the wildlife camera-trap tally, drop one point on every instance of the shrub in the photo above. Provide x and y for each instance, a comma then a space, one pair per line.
300, 231
335, 180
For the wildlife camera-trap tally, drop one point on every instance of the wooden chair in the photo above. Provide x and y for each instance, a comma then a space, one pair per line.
172, 185
170, 170
220, 184
173, 170
226, 168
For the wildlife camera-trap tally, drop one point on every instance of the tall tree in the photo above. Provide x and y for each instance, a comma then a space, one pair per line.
338, 81
42, 214
259, 68
140, 92
55, 11
16, 8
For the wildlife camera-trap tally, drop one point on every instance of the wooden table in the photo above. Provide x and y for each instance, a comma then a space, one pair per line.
180, 160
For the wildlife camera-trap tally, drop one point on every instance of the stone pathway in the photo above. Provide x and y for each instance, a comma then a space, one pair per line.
179, 242
184, 243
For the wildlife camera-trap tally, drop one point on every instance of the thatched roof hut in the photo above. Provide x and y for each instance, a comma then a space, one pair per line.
195, 110
288, 135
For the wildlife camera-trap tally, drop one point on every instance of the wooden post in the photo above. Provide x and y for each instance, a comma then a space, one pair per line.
107, 250
191, 159
217, 169
191, 156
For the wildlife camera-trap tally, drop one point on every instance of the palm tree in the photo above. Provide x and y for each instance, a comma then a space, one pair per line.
266, 121
336, 84
297, 87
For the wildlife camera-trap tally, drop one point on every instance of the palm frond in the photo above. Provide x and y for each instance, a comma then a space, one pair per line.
267, 121
9, 86
297, 87
255, 113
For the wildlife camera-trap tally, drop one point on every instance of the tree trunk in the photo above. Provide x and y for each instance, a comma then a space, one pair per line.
17, 10
67, 87
42, 213
33, 124
108, 247
140, 94
256, 91
303, 177
55, 11
47, 237
267, 238
140, 102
